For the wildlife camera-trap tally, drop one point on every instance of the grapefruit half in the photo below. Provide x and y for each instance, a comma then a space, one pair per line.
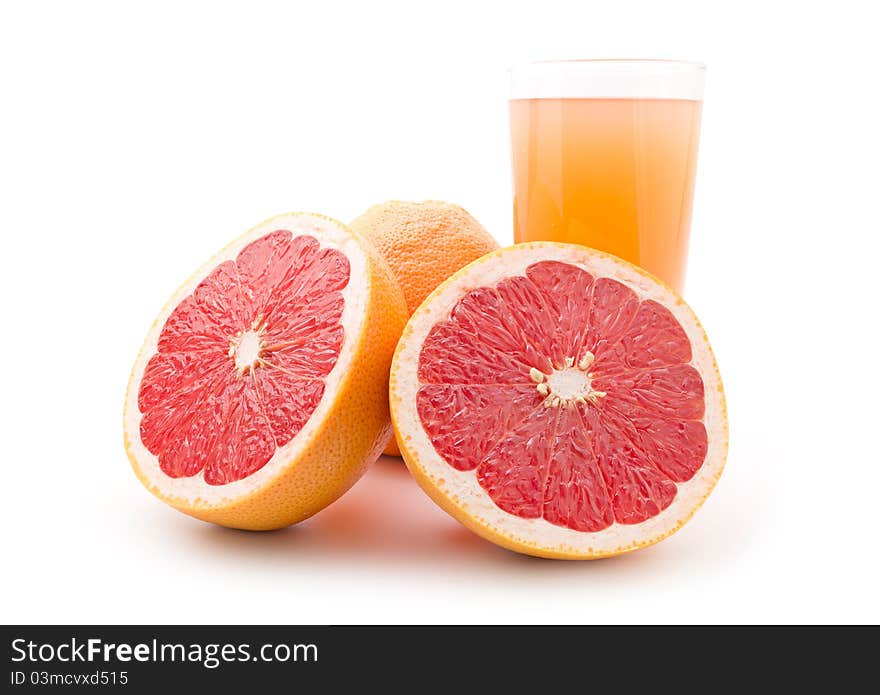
560, 402
260, 393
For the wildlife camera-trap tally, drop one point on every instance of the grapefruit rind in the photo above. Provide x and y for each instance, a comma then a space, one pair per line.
347, 430
458, 492
423, 241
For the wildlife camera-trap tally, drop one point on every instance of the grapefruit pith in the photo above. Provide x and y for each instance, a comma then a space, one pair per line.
424, 243
260, 393
560, 402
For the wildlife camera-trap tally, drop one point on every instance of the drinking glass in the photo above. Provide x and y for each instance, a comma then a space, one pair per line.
604, 155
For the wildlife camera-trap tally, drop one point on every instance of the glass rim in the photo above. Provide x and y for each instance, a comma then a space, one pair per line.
608, 62
633, 78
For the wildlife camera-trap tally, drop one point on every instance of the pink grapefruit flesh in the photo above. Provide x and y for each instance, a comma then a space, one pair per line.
241, 361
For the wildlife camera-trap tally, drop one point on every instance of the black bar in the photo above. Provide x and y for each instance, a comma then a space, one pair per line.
538, 659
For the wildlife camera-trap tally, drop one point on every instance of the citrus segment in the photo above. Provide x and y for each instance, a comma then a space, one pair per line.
567, 290
575, 492
468, 420
563, 402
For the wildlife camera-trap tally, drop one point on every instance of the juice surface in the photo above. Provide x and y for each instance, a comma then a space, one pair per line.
613, 174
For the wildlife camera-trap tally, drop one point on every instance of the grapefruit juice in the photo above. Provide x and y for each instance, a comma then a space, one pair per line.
615, 173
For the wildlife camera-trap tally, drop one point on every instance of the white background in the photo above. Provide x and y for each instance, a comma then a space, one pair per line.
138, 139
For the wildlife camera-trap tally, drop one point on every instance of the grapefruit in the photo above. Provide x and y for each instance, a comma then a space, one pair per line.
424, 243
560, 402
260, 393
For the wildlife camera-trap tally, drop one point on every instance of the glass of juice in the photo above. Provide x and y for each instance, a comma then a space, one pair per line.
604, 155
